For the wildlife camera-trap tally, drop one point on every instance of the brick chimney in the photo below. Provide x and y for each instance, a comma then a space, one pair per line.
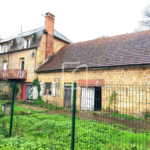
49, 26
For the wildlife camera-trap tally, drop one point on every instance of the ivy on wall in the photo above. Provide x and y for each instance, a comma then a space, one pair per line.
37, 83
112, 101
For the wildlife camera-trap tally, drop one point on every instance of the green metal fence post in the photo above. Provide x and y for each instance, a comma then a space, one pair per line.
12, 107
73, 115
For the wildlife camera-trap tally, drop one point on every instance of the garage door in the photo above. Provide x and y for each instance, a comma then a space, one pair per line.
87, 98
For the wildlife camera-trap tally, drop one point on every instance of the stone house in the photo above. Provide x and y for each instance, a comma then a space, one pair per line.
109, 64
98, 66
20, 55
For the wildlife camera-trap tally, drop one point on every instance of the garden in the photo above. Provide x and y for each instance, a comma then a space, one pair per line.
42, 130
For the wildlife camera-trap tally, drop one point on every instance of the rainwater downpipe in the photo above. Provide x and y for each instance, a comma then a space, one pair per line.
35, 60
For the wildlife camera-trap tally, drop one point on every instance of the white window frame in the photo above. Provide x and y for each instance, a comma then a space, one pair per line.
21, 60
25, 44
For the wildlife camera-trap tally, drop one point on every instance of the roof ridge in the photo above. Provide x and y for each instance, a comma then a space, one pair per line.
132, 33
63, 36
19, 35
30, 32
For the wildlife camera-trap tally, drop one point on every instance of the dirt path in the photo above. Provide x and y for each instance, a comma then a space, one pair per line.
32, 107
136, 124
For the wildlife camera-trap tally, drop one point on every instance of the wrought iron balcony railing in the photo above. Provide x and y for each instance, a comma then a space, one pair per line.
13, 74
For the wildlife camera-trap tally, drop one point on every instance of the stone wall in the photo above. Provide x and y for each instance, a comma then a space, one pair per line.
5, 90
131, 99
58, 44
13, 59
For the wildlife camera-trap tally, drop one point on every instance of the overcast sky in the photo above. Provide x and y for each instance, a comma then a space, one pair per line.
78, 20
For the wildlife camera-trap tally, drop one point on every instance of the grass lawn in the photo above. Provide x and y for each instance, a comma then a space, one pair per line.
44, 131
19, 108
124, 116
1, 102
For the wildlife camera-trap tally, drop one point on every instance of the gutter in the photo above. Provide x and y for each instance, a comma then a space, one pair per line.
18, 50
96, 68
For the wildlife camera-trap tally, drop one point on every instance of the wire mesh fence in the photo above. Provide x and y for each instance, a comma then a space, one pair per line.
106, 117
113, 116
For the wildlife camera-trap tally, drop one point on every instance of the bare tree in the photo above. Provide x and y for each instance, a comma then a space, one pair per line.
146, 21
138, 29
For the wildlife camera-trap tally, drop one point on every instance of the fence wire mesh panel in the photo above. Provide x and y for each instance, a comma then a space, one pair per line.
106, 116
5, 99
40, 122
112, 117
5, 91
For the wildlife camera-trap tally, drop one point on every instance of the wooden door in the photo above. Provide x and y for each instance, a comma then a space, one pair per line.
97, 101
35, 92
67, 96
87, 98
25, 90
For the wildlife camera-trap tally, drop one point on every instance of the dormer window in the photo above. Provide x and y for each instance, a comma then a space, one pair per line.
27, 43
1, 48
7, 47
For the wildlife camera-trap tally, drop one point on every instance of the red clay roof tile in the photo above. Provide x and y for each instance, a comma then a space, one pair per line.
127, 49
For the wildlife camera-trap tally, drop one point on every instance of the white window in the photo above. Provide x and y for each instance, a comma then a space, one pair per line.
7, 47
21, 63
27, 43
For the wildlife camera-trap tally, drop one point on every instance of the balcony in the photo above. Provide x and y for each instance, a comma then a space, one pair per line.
13, 74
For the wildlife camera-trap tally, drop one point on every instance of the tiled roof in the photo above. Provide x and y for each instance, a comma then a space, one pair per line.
28, 33
120, 50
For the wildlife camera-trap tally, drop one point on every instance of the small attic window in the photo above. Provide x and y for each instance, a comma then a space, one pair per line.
7, 47
27, 43
1, 48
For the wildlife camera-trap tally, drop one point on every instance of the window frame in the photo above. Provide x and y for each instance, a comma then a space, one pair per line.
22, 60
7, 47
1, 48
25, 44
50, 88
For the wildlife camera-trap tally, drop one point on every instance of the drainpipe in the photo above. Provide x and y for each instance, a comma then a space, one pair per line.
35, 60
8, 60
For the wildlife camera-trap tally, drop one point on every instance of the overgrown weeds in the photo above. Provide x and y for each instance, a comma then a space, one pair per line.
40, 103
44, 131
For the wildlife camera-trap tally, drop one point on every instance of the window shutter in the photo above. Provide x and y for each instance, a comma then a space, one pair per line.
53, 88
41, 86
